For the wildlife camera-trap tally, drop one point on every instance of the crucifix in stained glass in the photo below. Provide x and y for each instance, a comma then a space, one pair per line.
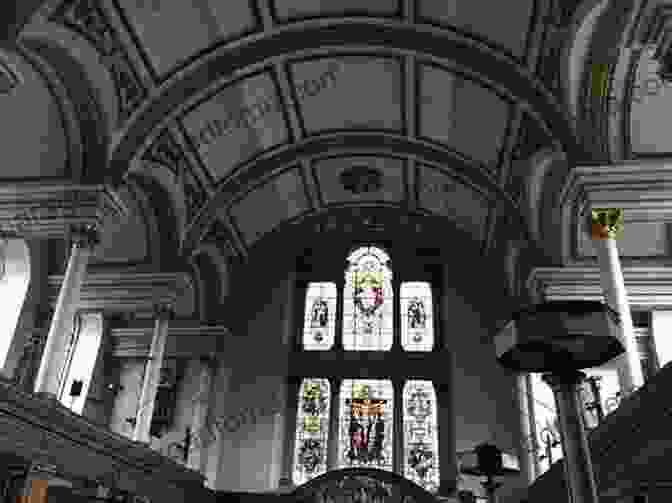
366, 424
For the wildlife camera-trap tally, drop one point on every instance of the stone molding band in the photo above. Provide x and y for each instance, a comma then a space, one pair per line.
645, 286
49, 210
124, 290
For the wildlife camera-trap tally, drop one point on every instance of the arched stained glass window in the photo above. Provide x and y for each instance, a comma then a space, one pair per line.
368, 301
417, 324
320, 317
366, 424
421, 443
312, 430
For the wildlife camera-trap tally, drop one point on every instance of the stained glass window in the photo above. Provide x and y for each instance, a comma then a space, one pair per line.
320, 316
312, 430
421, 454
368, 300
417, 329
366, 424
546, 419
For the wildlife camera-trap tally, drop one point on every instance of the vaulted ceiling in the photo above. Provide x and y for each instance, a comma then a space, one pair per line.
250, 116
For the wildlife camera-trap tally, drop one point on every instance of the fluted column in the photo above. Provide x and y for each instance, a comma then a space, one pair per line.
53, 356
152, 376
198, 449
605, 225
578, 464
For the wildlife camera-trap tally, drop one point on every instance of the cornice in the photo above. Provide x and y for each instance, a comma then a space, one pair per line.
44, 430
645, 286
122, 291
643, 189
48, 209
184, 340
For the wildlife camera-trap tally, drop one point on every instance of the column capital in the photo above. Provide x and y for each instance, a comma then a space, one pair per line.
85, 236
605, 223
569, 378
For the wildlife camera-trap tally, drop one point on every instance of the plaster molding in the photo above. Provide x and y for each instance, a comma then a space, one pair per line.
645, 286
123, 290
44, 430
184, 340
48, 209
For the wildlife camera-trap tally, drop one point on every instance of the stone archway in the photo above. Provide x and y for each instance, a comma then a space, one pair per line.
361, 485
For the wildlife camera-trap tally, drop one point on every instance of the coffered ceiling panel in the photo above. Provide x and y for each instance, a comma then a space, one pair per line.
504, 23
171, 31
443, 195
461, 114
650, 109
638, 240
237, 123
348, 92
281, 198
361, 178
290, 9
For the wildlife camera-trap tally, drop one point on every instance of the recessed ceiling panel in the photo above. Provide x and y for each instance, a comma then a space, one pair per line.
461, 114
281, 198
353, 92
504, 23
291, 9
650, 109
237, 123
361, 178
443, 195
639, 239
171, 31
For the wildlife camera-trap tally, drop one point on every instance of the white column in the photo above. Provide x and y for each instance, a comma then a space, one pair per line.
152, 377
661, 328
527, 450
53, 356
197, 453
605, 225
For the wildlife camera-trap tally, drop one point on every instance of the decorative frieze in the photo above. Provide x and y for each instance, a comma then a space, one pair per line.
123, 290
47, 210
184, 340
645, 286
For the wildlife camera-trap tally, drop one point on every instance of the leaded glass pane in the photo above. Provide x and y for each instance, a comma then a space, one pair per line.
312, 430
367, 301
366, 419
320, 317
546, 419
417, 324
421, 443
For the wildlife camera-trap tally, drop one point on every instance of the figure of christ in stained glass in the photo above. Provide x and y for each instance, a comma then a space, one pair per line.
319, 325
417, 331
366, 418
368, 297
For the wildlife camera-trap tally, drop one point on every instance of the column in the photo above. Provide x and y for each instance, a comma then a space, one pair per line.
605, 225
47, 380
447, 442
150, 382
197, 452
527, 450
293, 387
661, 330
578, 464
396, 316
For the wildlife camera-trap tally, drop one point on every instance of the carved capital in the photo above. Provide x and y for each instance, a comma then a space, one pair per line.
606, 223
85, 236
